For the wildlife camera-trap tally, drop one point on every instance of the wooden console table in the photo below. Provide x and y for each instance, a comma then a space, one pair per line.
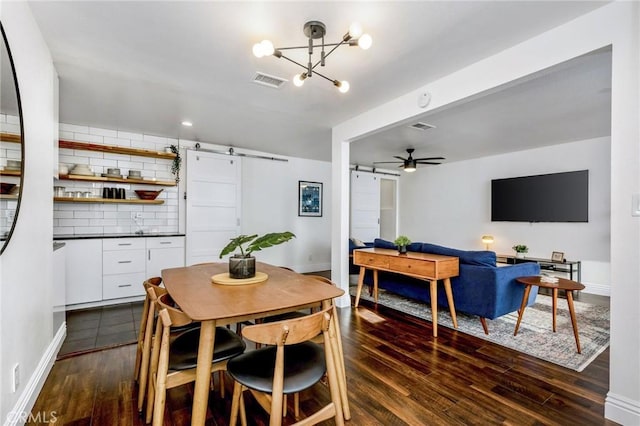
423, 266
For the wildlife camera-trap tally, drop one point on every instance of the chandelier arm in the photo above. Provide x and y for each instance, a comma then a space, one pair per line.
307, 46
295, 62
324, 76
336, 45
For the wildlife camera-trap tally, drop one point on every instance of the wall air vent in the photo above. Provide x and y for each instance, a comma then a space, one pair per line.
422, 126
268, 80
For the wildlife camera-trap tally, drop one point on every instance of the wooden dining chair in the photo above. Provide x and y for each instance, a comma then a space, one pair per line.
338, 354
145, 336
291, 364
174, 359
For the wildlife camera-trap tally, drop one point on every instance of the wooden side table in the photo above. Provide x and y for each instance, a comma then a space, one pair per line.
563, 284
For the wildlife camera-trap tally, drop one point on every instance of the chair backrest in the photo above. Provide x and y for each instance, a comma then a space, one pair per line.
175, 315
323, 279
289, 331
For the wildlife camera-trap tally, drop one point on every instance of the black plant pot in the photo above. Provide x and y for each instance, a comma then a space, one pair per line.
402, 249
241, 267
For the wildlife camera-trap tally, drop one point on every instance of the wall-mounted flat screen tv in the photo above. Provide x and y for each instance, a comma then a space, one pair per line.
555, 197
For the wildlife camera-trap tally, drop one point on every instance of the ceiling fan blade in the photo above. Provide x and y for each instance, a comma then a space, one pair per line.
387, 162
430, 158
399, 158
426, 162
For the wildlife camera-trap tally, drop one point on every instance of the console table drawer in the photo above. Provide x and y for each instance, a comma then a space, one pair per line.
369, 259
412, 267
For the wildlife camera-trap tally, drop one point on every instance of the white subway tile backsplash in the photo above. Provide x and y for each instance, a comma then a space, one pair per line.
65, 135
10, 128
129, 135
103, 132
156, 139
81, 137
63, 214
115, 218
73, 222
13, 119
143, 145
73, 128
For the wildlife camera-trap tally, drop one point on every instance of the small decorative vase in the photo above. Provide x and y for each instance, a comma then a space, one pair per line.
241, 267
520, 255
402, 249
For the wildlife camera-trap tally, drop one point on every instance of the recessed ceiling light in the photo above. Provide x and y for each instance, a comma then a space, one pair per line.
187, 123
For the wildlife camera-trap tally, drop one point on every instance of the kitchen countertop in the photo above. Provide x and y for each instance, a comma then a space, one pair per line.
125, 235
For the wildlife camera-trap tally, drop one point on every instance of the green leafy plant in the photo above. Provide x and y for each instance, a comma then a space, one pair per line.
402, 240
177, 162
520, 248
247, 244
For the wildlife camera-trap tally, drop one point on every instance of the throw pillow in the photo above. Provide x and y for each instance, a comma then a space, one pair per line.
358, 243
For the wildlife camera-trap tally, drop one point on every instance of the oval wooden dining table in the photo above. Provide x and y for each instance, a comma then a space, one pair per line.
217, 305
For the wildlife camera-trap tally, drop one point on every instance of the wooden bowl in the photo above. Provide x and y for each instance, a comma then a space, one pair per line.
147, 195
6, 188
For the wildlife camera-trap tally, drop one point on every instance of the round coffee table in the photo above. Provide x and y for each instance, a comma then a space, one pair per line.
563, 284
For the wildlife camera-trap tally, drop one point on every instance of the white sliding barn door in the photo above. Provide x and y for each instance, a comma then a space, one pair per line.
213, 204
365, 206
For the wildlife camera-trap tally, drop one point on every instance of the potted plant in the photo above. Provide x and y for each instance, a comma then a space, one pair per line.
243, 265
520, 249
177, 162
402, 242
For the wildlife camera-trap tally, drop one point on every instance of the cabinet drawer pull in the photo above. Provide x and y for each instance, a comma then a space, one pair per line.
124, 261
165, 242
124, 285
124, 244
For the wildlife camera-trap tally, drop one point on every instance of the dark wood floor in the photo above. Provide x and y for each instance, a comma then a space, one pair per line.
397, 375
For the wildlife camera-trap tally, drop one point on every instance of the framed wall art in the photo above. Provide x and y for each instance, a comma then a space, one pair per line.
309, 198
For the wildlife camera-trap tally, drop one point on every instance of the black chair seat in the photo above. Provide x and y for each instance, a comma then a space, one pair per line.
304, 365
184, 349
285, 316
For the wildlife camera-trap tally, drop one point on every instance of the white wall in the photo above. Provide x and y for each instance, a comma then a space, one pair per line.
616, 24
270, 204
26, 331
451, 205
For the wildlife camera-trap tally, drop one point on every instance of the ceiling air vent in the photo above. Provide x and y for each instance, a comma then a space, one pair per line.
422, 126
268, 80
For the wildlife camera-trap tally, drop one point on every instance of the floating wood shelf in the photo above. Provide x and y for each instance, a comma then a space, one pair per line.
10, 173
105, 200
10, 137
119, 180
115, 149
8, 197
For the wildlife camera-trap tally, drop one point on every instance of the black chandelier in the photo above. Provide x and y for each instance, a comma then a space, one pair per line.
314, 30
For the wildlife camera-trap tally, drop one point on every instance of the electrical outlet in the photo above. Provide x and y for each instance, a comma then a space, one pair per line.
16, 378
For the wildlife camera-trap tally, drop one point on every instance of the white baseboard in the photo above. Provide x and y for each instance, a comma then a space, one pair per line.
621, 409
599, 289
21, 412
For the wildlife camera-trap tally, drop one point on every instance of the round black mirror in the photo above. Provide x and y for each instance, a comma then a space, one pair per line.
11, 144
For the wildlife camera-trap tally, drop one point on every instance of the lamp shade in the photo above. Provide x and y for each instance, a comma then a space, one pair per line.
487, 239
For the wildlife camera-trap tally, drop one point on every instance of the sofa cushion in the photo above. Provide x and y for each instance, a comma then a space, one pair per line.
380, 243
479, 258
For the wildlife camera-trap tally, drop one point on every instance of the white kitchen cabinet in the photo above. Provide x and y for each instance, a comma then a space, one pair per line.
83, 271
100, 271
163, 253
124, 268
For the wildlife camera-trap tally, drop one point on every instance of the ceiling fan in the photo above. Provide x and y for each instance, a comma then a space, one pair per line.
409, 164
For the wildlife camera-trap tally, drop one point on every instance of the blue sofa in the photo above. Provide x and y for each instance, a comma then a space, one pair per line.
481, 288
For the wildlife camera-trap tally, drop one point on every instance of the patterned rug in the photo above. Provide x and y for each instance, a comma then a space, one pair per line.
535, 336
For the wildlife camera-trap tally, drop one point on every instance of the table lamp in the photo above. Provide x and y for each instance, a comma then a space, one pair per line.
487, 240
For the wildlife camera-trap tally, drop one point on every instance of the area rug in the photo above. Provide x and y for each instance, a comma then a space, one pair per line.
535, 335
